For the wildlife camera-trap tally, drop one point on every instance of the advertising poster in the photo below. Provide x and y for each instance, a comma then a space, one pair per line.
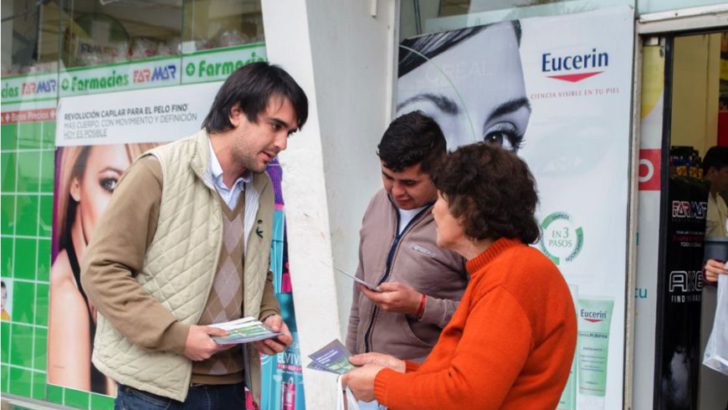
557, 91
7, 299
681, 284
98, 137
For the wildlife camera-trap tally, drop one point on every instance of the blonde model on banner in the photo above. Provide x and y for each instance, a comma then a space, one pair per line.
86, 176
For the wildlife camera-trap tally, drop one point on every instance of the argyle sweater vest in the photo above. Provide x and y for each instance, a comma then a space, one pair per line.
225, 302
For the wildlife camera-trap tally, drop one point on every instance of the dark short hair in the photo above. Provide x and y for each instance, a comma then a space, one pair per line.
413, 52
716, 157
411, 139
250, 87
492, 190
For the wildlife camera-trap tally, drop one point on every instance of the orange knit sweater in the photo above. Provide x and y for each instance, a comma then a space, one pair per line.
509, 344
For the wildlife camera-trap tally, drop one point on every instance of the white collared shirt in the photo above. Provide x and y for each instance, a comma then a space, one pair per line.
406, 216
229, 195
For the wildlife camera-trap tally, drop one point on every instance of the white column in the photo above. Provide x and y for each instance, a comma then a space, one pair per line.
342, 54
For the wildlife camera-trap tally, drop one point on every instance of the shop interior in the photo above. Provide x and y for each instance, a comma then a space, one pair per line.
696, 118
48, 35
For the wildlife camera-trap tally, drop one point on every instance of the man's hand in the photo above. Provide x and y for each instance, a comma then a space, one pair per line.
361, 381
199, 344
713, 268
276, 344
379, 359
394, 297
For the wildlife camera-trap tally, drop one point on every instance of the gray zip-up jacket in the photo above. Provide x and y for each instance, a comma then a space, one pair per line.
412, 258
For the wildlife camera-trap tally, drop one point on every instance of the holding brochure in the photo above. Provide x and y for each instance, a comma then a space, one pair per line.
243, 330
333, 358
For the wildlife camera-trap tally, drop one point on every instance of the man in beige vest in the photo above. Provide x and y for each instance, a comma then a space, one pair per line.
185, 243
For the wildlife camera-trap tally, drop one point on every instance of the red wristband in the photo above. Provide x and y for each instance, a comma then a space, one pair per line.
421, 307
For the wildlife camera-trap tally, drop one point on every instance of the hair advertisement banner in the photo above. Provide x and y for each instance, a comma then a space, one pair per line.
98, 137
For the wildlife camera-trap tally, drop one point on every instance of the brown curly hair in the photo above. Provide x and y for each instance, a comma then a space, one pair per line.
492, 190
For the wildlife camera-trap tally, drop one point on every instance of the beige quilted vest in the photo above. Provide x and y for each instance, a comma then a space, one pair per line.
179, 269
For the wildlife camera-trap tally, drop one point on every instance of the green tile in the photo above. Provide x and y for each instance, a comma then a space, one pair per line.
7, 220
4, 378
49, 134
46, 216
6, 256
101, 402
21, 345
76, 398
41, 304
41, 350
55, 394
5, 340
23, 303
9, 137
39, 385
27, 215
29, 135
7, 167
28, 171
25, 258
47, 171
44, 259
20, 381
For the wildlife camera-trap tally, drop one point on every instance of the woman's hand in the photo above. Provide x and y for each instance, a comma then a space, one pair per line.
713, 268
361, 381
378, 359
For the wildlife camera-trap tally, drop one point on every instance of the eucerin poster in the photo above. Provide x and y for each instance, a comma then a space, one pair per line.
557, 91
98, 137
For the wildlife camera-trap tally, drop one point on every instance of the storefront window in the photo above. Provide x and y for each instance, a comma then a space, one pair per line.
429, 16
106, 31
29, 37
221, 23
52, 49
653, 6
118, 45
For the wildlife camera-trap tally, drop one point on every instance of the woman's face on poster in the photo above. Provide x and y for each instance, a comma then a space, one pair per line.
104, 167
474, 90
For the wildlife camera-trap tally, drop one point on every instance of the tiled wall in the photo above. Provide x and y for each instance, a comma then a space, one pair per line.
26, 183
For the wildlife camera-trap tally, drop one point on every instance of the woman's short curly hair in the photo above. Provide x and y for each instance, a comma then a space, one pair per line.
492, 190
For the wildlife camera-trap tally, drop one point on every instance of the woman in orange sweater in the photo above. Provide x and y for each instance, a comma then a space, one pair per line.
511, 341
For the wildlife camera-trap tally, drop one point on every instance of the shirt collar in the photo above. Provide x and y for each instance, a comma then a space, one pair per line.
216, 172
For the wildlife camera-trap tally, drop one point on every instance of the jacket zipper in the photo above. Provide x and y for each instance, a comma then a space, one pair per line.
387, 271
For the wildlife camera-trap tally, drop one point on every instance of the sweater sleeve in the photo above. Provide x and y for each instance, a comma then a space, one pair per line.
115, 255
487, 360
269, 304
410, 366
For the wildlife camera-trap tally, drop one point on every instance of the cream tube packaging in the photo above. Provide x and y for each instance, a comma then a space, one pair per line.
568, 396
594, 317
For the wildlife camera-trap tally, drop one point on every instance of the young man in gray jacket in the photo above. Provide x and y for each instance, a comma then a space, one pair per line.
419, 284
